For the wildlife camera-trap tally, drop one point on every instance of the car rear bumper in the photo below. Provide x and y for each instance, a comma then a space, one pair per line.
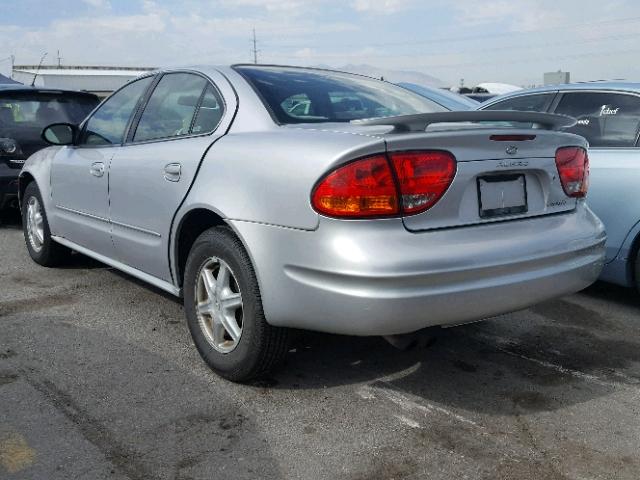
8, 186
376, 278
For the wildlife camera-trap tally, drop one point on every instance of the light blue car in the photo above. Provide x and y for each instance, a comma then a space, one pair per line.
608, 116
445, 98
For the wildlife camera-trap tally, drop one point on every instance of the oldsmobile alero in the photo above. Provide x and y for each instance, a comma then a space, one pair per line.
276, 198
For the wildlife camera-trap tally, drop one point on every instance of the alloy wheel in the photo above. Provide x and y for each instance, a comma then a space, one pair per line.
219, 305
35, 224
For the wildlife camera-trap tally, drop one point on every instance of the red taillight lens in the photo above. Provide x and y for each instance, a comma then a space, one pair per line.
364, 188
423, 178
367, 188
573, 167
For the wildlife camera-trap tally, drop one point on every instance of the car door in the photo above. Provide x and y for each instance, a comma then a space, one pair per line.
610, 121
151, 174
79, 173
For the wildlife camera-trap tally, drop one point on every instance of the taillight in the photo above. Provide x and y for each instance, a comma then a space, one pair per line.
364, 188
423, 178
367, 187
573, 167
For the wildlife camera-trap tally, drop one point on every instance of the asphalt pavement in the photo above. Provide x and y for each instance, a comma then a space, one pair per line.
99, 380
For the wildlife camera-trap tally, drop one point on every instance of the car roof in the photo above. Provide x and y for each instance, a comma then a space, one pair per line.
12, 87
600, 85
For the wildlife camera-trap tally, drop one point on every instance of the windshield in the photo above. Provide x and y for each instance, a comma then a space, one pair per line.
297, 95
21, 111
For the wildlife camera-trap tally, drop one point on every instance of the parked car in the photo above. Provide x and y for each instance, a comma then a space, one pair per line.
24, 112
204, 183
480, 97
609, 118
445, 98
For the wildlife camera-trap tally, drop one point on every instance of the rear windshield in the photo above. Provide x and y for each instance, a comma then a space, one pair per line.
297, 95
37, 110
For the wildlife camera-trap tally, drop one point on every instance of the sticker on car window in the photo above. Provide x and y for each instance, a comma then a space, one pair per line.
607, 110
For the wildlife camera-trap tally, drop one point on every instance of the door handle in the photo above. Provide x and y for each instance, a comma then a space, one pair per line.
97, 169
172, 172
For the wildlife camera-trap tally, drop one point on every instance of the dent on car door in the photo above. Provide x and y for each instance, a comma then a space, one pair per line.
79, 173
610, 122
151, 174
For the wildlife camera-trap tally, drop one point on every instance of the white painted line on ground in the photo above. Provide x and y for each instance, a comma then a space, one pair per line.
558, 368
407, 421
409, 405
506, 343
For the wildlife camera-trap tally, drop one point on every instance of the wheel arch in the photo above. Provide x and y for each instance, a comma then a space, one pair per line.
24, 179
190, 226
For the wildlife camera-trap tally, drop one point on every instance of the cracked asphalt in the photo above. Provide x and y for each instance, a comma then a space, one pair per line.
99, 380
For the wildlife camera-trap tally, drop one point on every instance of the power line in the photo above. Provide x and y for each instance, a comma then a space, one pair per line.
572, 26
478, 51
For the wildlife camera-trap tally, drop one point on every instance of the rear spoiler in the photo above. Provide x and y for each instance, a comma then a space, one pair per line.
420, 121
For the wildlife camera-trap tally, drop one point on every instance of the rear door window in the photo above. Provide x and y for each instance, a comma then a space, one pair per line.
525, 103
604, 119
171, 107
209, 113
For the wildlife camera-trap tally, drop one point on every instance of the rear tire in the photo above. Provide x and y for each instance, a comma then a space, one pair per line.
42, 248
224, 309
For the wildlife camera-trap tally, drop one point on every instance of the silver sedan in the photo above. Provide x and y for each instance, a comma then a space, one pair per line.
279, 198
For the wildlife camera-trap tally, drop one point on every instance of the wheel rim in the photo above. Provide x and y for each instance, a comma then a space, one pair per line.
35, 224
219, 305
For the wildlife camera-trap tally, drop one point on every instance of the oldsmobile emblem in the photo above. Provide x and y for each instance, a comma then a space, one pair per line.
512, 150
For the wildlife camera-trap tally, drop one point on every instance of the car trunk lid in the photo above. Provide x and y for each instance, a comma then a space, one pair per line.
501, 175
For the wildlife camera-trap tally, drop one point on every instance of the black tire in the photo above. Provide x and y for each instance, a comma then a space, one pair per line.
261, 347
50, 253
637, 271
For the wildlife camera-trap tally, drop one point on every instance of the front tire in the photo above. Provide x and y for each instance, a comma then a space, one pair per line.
636, 268
224, 309
35, 226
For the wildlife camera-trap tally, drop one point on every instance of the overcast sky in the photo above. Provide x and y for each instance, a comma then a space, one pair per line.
491, 40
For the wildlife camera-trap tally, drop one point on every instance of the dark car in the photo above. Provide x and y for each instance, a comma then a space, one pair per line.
24, 112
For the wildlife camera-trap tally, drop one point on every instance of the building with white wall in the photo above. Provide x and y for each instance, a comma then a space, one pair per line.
100, 80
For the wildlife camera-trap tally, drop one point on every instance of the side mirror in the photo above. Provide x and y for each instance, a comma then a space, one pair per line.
60, 134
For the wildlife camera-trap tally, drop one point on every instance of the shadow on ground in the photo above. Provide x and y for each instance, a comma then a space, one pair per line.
10, 219
551, 356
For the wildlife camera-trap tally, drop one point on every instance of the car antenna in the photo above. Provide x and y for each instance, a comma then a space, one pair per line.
33, 82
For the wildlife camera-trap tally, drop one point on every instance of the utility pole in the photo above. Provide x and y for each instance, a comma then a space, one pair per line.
59, 59
33, 82
255, 47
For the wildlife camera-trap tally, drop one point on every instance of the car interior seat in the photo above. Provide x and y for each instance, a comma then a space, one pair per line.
46, 115
6, 116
